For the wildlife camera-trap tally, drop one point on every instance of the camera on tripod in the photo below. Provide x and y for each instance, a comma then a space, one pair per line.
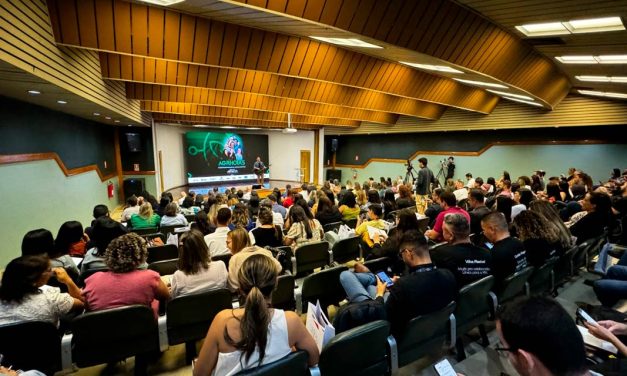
409, 166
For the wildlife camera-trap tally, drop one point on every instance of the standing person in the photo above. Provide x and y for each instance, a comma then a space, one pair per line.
450, 168
259, 169
423, 185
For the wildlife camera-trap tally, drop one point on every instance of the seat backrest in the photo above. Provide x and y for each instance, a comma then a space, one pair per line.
311, 256
423, 224
189, 316
145, 231
165, 230
31, 345
324, 286
224, 258
346, 249
162, 252
335, 226
352, 223
381, 263
165, 267
113, 334
473, 304
283, 295
358, 351
540, 279
424, 335
293, 364
190, 217
513, 285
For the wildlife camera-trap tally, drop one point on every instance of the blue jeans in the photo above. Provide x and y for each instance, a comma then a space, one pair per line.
359, 286
613, 287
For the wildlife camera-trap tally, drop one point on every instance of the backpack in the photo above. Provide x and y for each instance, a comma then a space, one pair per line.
355, 314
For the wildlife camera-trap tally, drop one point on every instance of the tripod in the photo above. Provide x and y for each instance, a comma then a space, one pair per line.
442, 174
409, 176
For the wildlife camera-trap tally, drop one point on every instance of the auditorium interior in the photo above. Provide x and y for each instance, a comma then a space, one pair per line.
99, 98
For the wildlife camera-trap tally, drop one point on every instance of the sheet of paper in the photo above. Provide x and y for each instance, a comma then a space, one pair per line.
373, 230
593, 341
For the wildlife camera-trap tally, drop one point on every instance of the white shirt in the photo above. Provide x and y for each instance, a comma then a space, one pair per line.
461, 194
212, 278
128, 212
217, 242
471, 183
277, 347
277, 220
48, 305
178, 219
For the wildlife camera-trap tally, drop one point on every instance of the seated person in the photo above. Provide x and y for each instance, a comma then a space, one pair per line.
24, 296
277, 218
302, 230
375, 211
449, 204
434, 207
145, 219
100, 210
538, 237
405, 199
327, 212
37, 242
131, 208
241, 218
608, 330
405, 221
242, 249
71, 241
216, 241
267, 234
508, 253
476, 200
254, 334
348, 207
598, 205
124, 284
613, 287
540, 338
104, 231
424, 290
196, 272
465, 260
171, 217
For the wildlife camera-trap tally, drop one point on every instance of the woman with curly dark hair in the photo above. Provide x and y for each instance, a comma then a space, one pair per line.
538, 237
124, 284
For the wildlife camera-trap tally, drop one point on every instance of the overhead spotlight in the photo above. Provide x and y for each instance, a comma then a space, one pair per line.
34, 92
61, 102
96, 114
351, 42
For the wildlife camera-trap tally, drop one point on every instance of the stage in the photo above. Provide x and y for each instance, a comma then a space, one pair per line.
268, 186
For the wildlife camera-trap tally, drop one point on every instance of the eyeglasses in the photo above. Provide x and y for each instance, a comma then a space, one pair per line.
504, 351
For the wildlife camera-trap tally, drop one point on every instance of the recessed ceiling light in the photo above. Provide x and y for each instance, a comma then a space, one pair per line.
61, 102
227, 127
130, 125
523, 101
603, 94
253, 129
577, 59
116, 121
595, 25
614, 79
200, 125
438, 68
96, 114
352, 42
481, 83
164, 3
108, 117
542, 29
611, 59
505, 94
591, 25
34, 92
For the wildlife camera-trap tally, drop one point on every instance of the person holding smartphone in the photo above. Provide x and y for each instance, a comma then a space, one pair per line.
424, 290
608, 330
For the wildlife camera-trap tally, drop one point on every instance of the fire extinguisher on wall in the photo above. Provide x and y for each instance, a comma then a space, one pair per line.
110, 189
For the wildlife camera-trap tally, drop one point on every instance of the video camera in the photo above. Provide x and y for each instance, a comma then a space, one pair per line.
409, 166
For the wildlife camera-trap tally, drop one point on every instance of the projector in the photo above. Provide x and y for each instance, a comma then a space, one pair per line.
289, 130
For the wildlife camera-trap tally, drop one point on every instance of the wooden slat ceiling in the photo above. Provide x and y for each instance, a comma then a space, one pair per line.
235, 62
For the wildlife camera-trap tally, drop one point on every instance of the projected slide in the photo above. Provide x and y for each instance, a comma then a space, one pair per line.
216, 157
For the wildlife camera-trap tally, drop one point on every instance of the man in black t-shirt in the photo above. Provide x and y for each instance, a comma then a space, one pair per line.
424, 290
508, 254
476, 200
465, 260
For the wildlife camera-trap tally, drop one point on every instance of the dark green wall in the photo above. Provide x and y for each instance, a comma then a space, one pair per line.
26, 128
404, 145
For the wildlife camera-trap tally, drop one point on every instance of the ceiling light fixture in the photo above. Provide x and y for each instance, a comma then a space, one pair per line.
603, 94
588, 59
438, 68
523, 101
116, 121
96, 114
351, 42
481, 83
200, 125
228, 127
523, 97
591, 25
61, 102
613, 79
253, 129
34, 92
164, 3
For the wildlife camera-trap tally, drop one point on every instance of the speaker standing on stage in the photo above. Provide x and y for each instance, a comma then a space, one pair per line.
259, 169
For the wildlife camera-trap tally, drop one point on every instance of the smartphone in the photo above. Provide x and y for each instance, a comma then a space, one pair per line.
384, 277
444, 368
489, 245
584, 315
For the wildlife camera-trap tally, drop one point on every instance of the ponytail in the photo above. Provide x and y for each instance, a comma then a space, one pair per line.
257, 278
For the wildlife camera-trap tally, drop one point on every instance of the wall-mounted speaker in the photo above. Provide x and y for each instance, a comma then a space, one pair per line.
334, 144
133, 142
334, 174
